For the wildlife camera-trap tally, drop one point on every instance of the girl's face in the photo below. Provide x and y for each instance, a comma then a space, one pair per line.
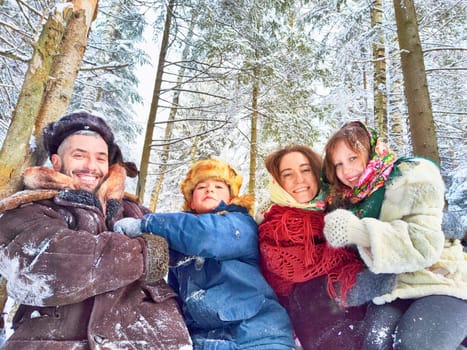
208, 194
296, 177
348, 164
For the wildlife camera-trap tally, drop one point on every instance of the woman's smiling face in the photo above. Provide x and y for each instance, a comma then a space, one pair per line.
296, 177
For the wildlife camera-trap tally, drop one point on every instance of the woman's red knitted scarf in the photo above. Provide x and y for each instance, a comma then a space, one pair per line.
293, 250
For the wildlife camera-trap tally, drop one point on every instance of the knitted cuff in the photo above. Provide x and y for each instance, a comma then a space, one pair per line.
156, 258
342, 228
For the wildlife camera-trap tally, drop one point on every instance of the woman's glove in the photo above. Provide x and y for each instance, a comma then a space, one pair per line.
129, 226
369, 285
342, 227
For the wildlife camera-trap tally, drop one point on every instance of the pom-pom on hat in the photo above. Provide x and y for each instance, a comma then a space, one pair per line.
56, 132
214, 169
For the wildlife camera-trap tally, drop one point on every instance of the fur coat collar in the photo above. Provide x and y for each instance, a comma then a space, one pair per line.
44, 183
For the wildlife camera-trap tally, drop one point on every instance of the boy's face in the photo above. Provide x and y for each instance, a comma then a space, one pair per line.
208, 194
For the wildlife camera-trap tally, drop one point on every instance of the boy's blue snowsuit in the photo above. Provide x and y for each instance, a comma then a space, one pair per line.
226, 302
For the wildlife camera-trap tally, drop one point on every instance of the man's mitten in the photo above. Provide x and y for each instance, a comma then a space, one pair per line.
368, 286
111, 212
129, 226
342, 227
156, 258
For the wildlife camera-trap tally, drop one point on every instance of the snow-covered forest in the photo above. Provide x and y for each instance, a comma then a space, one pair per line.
237, 79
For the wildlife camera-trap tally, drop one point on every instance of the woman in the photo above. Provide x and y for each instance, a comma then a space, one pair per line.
295, 259
391, 210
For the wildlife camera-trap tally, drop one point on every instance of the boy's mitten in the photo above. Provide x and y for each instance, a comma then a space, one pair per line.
156, 258
129, 226
368, 286
342, 227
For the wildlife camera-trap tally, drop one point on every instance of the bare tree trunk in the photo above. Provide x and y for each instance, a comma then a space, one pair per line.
164, 159
170, 123
62, 78
3, 299
46, 89
380, 87
254, 133
144, 165
396, 118
421, 121
365, 98
16, 151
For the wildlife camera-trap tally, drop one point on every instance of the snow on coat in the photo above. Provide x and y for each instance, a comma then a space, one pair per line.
79, 284
407, 239
215, 269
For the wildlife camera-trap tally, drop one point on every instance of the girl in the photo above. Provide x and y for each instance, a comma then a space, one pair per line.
391, 210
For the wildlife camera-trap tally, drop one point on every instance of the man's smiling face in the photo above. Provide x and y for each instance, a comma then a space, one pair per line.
85, 158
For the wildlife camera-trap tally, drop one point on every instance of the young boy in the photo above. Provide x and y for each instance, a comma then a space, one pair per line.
226, 302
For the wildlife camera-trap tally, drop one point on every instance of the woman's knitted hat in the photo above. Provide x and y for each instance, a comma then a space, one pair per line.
214, 169
56, 132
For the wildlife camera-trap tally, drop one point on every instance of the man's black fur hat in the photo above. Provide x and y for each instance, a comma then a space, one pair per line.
54, 133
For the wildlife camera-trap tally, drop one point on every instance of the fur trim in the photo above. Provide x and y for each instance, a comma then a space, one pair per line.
113, 188
210, 169
156, 258
45, 183
79, 197
247, 201
42, 177
23, 197
131, 197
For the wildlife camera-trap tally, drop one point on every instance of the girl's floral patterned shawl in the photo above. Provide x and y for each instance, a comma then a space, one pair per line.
374, 177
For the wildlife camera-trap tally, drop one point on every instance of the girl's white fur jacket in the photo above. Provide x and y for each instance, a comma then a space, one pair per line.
408, 239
